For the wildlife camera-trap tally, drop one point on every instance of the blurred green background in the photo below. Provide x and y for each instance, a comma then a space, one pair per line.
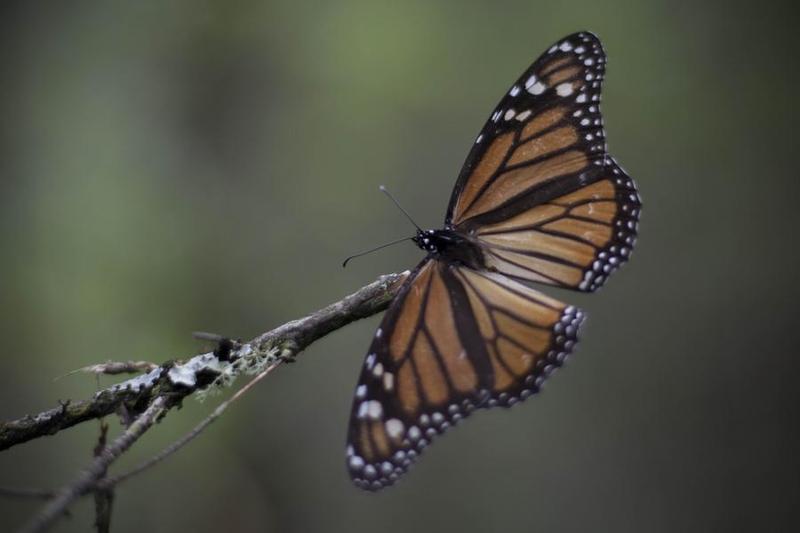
168, 167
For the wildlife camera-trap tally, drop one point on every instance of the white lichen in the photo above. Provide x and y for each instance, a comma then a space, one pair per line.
137, 384
186, 374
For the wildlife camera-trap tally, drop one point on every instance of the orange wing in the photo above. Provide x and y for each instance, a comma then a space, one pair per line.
453, 341
538, 189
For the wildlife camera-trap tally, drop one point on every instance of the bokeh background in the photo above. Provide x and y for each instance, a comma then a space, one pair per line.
168, 167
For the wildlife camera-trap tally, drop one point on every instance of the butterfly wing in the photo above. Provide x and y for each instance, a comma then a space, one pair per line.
454, 340
538, 188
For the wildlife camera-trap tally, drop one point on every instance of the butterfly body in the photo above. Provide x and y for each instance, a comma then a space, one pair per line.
451, 246
538, 199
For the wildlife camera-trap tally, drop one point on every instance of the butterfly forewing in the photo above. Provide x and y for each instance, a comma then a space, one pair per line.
529, 188
547, 127
454, 340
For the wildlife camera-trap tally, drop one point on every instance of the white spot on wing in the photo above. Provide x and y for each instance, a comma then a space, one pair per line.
524, 115
537, 88
388, 381
356, 463
565, 89
374, 409
394, 428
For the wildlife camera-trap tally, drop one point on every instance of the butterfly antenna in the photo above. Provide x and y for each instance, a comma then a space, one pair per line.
344, 263
387, 193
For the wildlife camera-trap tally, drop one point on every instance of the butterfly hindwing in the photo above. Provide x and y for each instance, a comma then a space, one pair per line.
454, 340
574, 240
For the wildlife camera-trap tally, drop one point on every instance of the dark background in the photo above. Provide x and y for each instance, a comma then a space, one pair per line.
167, 167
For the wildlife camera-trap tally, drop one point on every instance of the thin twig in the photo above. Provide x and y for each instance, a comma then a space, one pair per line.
103, 498
103, 504
88, 477
112, 368
111, 481
33, 494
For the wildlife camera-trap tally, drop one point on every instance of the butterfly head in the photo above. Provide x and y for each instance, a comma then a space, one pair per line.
429, 240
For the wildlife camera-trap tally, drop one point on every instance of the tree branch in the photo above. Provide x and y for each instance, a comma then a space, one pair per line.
34, 494
98, 467
176, 380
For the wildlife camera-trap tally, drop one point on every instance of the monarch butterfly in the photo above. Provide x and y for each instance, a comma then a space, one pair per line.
538, 200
